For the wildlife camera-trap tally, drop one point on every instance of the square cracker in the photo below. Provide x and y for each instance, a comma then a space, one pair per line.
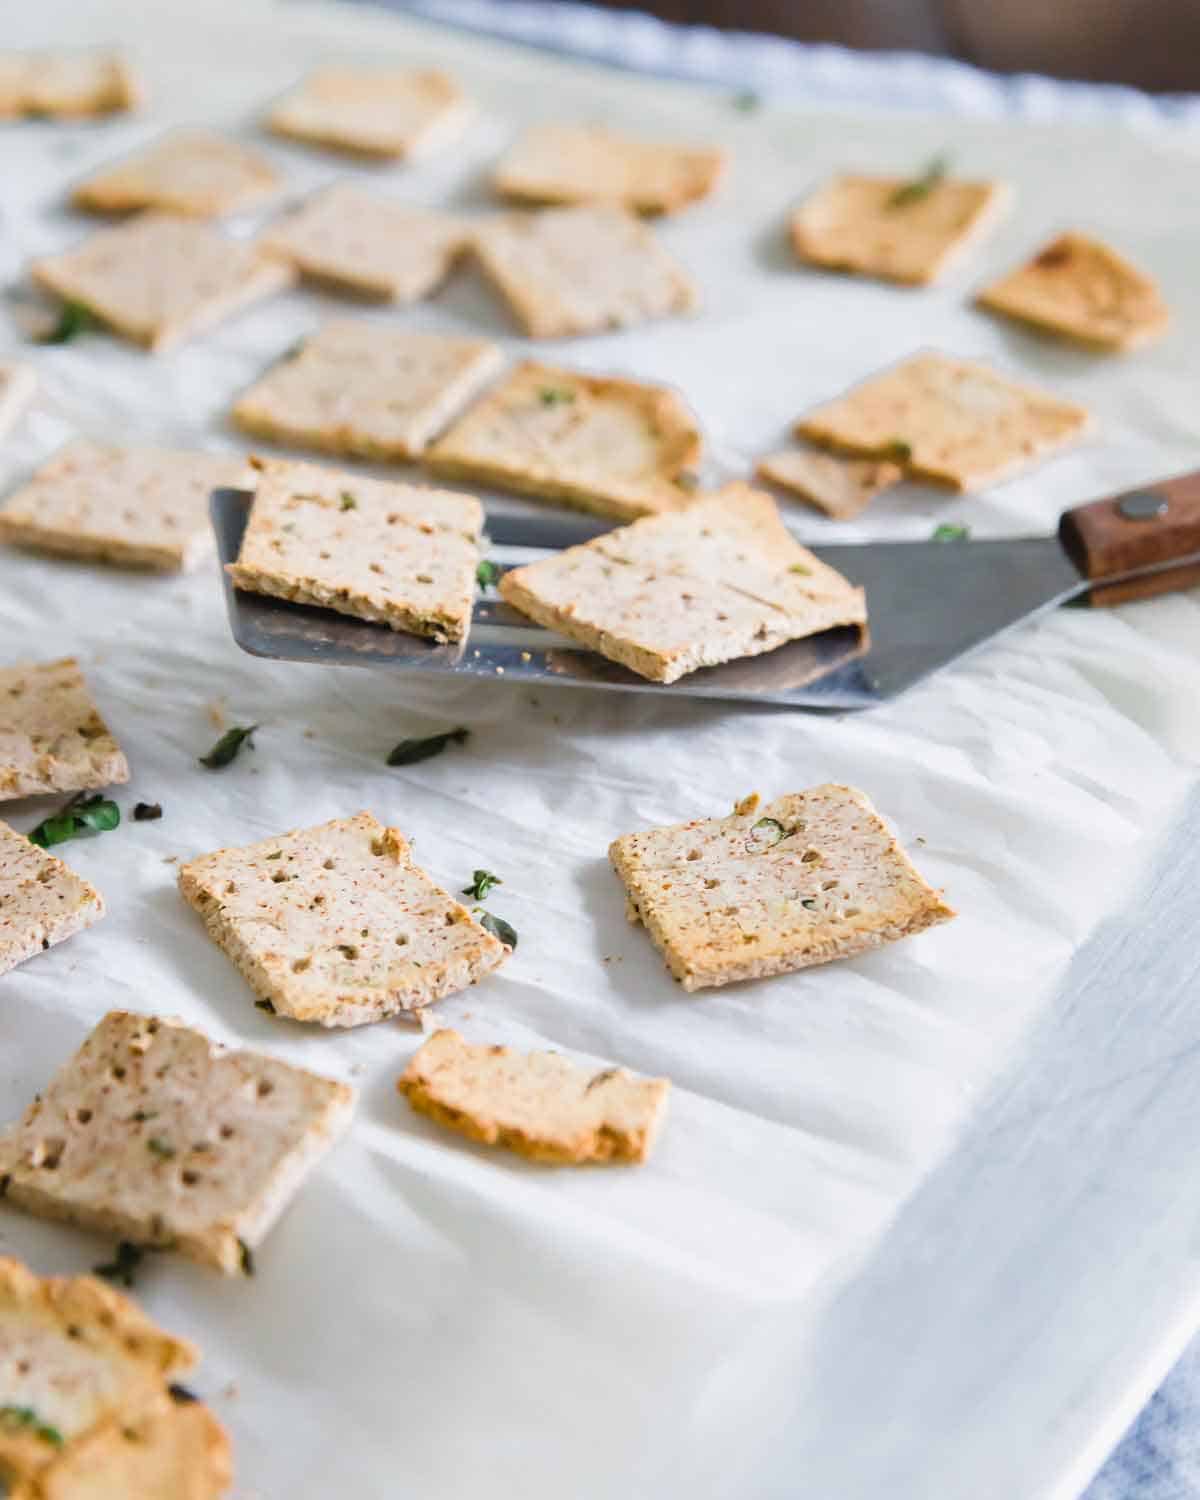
42, 900
613, 447
392, 112
866, 225
1081, 288
401, 554
841, 487
155, 1134
813, 876
191, 172
949, 420
589, 164
336, 924
367, 390
65, 84
18, 384
52, 738
369, 245
136, 507
580, 270
159, 279
721, 580
538, 1104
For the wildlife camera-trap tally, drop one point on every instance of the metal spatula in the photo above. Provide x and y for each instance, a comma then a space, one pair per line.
929, 603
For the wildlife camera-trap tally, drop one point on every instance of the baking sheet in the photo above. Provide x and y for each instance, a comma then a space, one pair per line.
430, 1318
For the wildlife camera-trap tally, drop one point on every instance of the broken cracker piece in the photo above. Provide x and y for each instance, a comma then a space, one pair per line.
42, 900
397, 553
18, 384
187, 172
841, 487
60, 84
156, 1135
613, 447
391, 112
52, 738
337, 925
950, 420
538, 1104
811, 877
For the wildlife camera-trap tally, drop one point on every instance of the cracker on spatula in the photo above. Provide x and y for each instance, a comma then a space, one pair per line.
1080, 288
390, 112
157, 1135
367, 244
538, 1104
950, 420
810, 877
65, 84
841, 487
401, 554
910, 232
89, 1407
367, 390
160, 279
133, 507
18, 384
580, 270
42, 900
337, 925
589, 164
601, 444
52, 738
189, 172
721, 580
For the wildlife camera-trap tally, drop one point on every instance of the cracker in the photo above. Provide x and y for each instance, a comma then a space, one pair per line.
538, 1104
52, 738
613, 447
581, 270
721, 580
841, 487
65, 85
156, 1135
18, 385
367, 390
390, 112
191, 172
372, 246
868, 225
42, 900
397, 553
158, 279
135, 507
1081, 288
589, 164
949, 420
336, 924
813, 876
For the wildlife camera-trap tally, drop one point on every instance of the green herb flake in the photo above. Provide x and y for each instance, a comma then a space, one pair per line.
765, 834
247, 1258
482, 883
159, 1147
947, 533
25, 1419
801, 569
73, 319
498, 927
410, 752
747, 101
921, 187
82, 814
551, 395
486, 574
124, 1265
810, 904
229, 746
348, 501
898, 451
688, 481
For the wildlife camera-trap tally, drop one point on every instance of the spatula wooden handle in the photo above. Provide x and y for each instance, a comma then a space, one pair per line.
1143, 528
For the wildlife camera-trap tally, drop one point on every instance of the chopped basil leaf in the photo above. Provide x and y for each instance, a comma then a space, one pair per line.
409, 752
765, 834
14, 1418
159, 1147
498, 927
73, 319
811, 903
81, 814
247, 1258
482, 883
486, 574
920, 187
551, 395
946, 533
147, 812
228, 746
348, 501
123, 1267
898, 451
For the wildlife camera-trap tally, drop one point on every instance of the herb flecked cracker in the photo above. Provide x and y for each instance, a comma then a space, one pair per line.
841, 487
337, 925
614, 447
949, 420
65, 85
1080, 288
156, 1135
88, 1407
580, 270
811, 877
190, 172
368, 391
18, 384
882, 226
369, 245
42, 900
589, 164
391, 112
159, 279
401, 554
538, 1104
52, 738
721, 580
134, 507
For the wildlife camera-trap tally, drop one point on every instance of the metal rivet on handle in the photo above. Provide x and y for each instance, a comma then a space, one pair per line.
1143, 505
